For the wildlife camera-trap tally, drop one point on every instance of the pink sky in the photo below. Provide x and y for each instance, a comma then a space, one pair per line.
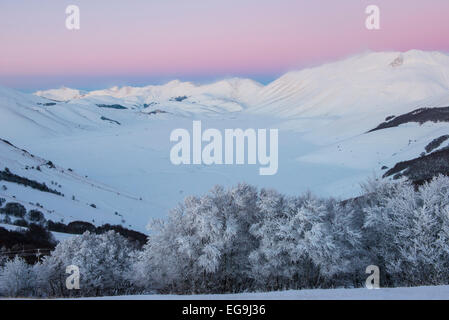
139, 40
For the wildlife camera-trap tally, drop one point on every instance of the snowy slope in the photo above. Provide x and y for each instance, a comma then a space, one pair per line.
77, 192
224, 96
342, 99
334, 106
25, 116
359, 83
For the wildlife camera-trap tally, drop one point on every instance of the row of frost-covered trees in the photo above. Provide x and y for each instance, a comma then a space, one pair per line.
243, 239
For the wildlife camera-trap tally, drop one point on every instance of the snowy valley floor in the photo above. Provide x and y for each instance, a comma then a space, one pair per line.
413, 293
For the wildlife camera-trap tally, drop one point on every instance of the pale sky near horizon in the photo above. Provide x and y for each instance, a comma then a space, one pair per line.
137, 42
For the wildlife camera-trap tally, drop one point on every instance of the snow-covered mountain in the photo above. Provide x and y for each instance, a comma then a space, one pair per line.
344, 97
367, 83
62, 94
228, 95
120, 136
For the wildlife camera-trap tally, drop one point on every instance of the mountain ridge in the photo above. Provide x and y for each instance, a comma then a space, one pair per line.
362, 62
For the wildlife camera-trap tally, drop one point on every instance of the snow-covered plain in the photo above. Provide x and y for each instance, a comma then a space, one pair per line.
120, 157
413, 293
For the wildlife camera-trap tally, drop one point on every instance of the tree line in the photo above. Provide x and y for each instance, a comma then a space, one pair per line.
244, 239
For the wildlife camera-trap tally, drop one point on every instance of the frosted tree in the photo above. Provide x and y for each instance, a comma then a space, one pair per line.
407, 232
160, 266
272, 266
422, 238
240, 212
204, 245
104, 261
304, 241
17, 279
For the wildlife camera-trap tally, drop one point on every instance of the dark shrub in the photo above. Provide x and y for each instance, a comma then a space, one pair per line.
112, 106
34, 238
56, 226
14, 209
131, 235
79, 227
35, 216
38, 234
178, 99
50, 164
11, 177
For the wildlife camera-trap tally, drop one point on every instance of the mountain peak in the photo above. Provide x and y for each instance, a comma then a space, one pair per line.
61, 94
399, 61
